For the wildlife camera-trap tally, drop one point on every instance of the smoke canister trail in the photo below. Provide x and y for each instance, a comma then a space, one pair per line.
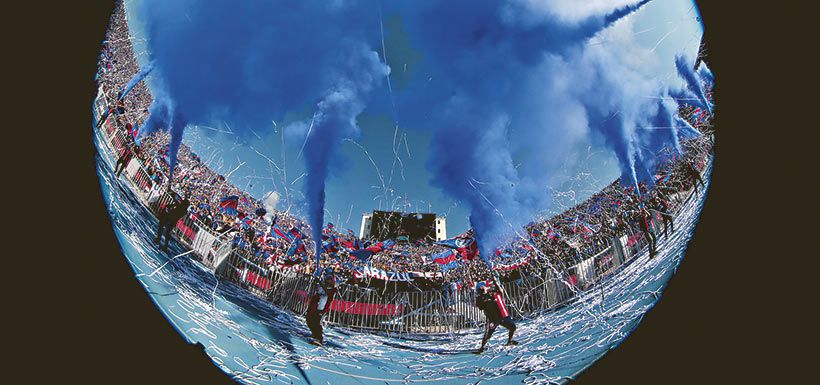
176, 130
334, 121
511, 118
136, 79
694, 84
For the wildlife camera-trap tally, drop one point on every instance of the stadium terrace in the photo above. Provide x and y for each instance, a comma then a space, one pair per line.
383, 285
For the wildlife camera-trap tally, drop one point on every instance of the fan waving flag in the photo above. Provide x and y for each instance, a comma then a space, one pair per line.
449, 266
295, 233
465, 246
362, 254
279, 232
347, 244
552, 233
295, 246
329, 245
380, 246
269, 233
229, 204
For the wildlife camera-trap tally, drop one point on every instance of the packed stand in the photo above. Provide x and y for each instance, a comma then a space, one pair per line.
279, 240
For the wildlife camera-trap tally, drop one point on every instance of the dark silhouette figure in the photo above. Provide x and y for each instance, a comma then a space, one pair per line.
126, 155
666, 216
168, 218
318, 306
646, 229
491, 302
695, 177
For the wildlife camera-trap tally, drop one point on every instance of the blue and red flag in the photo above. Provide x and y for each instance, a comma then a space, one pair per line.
328, 230
362, 254
449, 266
330, 245
467, 247
444, 258
229, 204
295, 247
295, 233
382, 245
279, 232
348, 244
374, 248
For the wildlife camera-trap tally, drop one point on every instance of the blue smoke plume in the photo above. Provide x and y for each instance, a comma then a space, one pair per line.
685, 129
159, 115
516, 108
517, 88
176, 129
694, 84
658, 140
162, 115
706, 73
252, 62
136, 79
335, 120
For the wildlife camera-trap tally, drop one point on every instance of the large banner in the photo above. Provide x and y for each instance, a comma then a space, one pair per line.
373, 273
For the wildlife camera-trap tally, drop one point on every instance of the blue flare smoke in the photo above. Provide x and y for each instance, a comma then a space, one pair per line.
512, 116
176, 129
163, 115
515, 91
136, 79
159, 116
248, 63
694, 84
705, 73
335, 120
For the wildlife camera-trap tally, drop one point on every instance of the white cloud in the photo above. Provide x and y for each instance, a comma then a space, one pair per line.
270, 201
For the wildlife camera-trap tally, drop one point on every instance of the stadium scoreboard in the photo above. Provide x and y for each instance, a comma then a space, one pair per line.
402, 225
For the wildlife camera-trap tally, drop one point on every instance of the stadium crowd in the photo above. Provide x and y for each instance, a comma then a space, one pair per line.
273, 238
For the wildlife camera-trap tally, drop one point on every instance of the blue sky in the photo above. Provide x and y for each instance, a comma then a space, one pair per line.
399, 119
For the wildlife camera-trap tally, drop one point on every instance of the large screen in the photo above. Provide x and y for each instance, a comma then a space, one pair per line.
391, 224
